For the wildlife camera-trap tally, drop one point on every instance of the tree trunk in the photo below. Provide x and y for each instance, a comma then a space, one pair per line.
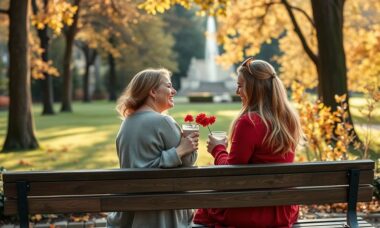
86, 82
90, 56
332, 70
112, 78
67, 76
46, 83
20, 134
328, 16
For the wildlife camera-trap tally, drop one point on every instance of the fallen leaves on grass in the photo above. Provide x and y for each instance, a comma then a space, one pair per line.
366, 207
25, 163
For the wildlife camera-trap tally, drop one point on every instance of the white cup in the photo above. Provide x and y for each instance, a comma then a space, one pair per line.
219, 135
187, 129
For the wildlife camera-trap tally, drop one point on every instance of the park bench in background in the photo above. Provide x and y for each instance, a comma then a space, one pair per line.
194, 187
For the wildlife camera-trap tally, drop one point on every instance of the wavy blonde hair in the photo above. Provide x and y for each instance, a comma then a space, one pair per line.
137, 91
266, 96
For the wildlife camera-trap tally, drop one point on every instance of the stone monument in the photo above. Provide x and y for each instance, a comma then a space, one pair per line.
205, 76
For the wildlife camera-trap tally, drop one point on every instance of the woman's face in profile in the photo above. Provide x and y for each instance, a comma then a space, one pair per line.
165, 95
240, 88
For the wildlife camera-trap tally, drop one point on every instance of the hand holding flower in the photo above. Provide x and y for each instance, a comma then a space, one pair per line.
214, 141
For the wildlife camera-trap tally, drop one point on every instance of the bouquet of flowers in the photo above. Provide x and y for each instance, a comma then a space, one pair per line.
201, 119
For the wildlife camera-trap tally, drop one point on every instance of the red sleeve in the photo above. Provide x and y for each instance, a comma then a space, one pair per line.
246, 136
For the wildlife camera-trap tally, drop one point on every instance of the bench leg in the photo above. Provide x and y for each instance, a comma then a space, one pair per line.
353, 197
22, 203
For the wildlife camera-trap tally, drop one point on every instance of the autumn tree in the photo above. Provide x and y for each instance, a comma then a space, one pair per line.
153, 48
126, 38
20, 133
69, 33
94, 24
104, 30
311, 34
54, 15
188, 32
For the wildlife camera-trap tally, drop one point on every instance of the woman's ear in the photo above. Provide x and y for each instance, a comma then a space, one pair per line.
153, 93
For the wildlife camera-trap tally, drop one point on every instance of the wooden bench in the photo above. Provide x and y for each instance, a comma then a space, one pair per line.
195, 187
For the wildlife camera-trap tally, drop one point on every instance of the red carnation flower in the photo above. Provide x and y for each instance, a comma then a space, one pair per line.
204, 122
211, 120
189, 118
200, 119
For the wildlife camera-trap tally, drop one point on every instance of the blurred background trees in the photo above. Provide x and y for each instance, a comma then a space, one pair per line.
84, 50
90, 49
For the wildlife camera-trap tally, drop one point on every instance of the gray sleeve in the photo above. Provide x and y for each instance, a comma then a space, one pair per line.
169, 159
170, 137
189, 159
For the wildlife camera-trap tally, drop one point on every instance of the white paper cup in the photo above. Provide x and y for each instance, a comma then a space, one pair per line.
220, 135
187, 129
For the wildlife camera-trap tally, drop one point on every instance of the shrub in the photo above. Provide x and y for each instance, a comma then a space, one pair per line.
235, 98
201, 97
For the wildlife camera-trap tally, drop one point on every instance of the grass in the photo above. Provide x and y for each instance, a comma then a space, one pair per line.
85, 138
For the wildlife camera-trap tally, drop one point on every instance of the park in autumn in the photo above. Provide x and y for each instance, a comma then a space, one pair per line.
64, 64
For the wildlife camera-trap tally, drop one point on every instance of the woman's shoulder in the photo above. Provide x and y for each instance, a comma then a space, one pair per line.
251, 117
147, 119
163, 119
153, 120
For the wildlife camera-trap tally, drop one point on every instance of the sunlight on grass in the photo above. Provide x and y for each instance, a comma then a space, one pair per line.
85, 139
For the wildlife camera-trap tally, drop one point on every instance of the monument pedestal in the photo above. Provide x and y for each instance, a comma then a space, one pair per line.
205, 77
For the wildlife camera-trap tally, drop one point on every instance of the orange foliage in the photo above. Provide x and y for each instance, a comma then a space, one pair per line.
324, 142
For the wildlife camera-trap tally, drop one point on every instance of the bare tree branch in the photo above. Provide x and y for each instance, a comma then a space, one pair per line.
297, 29
304, 13
262, 17
4, 11
34, 7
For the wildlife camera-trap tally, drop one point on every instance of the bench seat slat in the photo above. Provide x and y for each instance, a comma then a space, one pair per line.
331, 222
330, 225
215, 171
187, 184
328, 222
188, 200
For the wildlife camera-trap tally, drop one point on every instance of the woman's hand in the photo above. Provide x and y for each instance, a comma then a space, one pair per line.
213, 142
188, 144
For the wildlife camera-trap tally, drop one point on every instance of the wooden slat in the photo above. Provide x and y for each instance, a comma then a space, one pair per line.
188, 184
56, 205
328, 222
214, 171
324, 220
235, 199
189, 200
331, 225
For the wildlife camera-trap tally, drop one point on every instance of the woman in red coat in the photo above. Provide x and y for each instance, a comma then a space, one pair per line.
267, 130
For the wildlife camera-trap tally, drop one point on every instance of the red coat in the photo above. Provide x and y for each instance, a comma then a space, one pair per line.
248, 148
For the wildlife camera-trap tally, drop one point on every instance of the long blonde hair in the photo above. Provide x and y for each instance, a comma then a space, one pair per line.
137, 91
266, 96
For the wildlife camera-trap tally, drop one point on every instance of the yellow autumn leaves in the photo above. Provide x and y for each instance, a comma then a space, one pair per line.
328, 133
57, 14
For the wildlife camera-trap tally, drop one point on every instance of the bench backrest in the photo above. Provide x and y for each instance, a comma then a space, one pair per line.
194, 187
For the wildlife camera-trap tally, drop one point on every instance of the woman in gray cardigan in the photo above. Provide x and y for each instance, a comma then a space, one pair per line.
149, 139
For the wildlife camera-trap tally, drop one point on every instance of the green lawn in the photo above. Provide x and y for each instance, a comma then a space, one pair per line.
85, 138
